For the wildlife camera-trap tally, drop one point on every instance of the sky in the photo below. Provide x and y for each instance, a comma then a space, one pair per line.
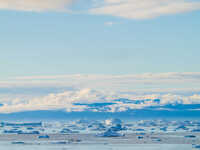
43, 38
136, 47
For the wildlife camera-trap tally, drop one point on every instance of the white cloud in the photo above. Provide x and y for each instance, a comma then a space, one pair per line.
61, 91
144, 9
132, 82
131, 9
65, 101
35, 5
110, 23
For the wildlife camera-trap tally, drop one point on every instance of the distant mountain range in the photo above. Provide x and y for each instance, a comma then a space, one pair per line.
102, 111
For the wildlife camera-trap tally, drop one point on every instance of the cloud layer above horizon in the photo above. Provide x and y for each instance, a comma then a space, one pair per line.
130, 9
80, 100
61, 92
115, 82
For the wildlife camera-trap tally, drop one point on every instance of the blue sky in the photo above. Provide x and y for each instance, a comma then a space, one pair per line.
68, 50
54, 43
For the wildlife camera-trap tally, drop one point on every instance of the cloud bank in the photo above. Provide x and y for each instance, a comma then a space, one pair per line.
146, 81
63, 92
80, 100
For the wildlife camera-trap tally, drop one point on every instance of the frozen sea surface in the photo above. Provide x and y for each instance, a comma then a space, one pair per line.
97, 147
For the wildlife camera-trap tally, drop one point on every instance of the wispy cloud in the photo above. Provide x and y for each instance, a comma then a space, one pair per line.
109, 23
131, 9
114, 82
35, 5
144, 9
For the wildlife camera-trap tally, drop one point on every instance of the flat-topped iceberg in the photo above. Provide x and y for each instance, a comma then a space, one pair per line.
110, 133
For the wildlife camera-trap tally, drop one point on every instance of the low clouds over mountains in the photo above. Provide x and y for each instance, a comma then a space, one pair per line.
112, 94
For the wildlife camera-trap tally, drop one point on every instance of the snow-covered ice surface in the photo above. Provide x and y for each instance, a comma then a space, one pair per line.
7, 146
101, 135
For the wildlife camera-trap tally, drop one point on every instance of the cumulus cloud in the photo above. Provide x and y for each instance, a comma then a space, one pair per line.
62, 91
144, 9
35, 5
68, 100
63, 100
